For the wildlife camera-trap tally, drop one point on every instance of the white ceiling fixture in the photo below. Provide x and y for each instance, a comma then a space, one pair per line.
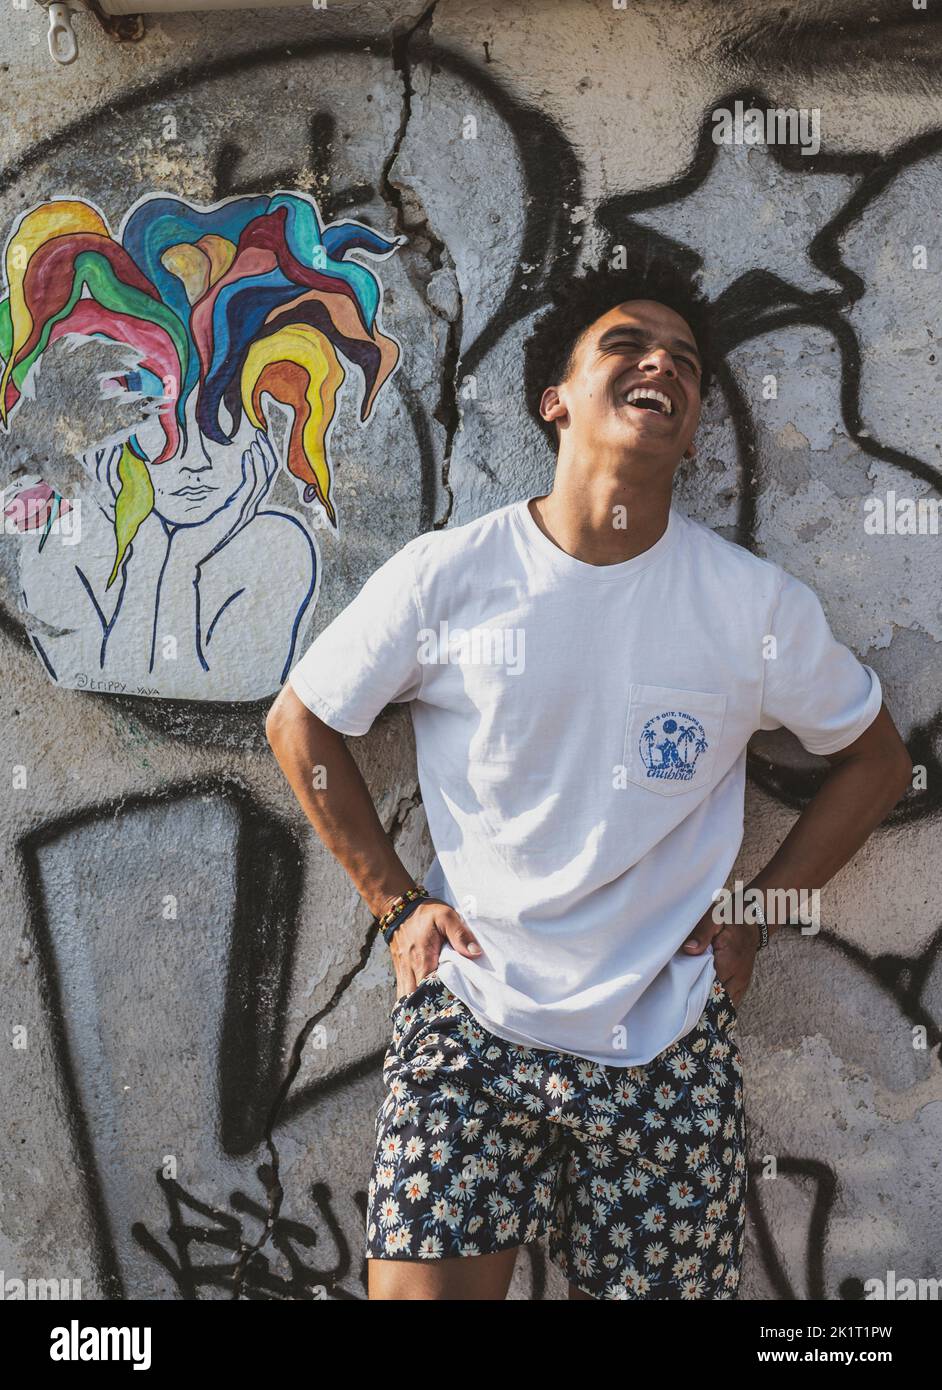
123, 19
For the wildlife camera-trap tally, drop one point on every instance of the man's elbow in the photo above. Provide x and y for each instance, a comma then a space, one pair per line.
901, 764
894, 767
278, 717
288, 714
881, 752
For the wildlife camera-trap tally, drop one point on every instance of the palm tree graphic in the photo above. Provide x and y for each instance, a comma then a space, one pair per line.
684, 737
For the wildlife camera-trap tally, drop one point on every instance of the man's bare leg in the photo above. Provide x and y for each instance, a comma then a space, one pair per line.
462, 1277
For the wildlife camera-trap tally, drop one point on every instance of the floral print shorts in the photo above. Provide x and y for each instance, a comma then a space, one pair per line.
636, 1175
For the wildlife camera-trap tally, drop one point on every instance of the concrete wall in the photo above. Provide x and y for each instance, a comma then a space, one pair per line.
194, 1008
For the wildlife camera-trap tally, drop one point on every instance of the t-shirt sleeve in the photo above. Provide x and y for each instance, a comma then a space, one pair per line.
368, 657
814, 685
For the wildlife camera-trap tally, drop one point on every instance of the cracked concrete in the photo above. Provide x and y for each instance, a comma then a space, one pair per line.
413, 219
273, 1190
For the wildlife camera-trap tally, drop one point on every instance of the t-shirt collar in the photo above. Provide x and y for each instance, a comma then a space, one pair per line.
567, 565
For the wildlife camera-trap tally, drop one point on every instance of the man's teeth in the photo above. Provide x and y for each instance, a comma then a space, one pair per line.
644, 393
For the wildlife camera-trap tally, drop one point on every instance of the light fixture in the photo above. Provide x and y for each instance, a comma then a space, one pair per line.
123, 19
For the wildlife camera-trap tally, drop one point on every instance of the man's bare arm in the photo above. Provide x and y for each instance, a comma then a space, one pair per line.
338, 804
341, 809
866, 780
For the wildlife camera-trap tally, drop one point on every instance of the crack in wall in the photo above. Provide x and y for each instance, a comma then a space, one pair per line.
412, 219
270, 1174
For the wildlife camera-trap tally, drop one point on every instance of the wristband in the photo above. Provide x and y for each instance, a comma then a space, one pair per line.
390, 919
407, 902
761, 923
763, 929
757, 917
400, 917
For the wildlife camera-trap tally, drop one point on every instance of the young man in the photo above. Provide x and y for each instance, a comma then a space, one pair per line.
585, 670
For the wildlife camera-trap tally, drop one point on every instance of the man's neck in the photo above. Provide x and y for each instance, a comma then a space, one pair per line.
602, 523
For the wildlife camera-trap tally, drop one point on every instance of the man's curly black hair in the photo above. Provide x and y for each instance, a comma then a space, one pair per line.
576, 304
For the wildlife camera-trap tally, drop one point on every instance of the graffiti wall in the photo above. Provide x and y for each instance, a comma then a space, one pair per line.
264, 297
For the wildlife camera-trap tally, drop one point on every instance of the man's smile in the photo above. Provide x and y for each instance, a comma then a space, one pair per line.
649, 398
652, 394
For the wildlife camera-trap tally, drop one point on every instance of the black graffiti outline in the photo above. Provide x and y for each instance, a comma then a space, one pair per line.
544, 238
497, 325
262, 944
254, 1280
743, 314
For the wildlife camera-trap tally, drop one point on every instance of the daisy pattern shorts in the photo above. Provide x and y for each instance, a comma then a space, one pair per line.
636, 1175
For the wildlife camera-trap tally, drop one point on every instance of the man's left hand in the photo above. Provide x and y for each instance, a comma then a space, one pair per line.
734, 951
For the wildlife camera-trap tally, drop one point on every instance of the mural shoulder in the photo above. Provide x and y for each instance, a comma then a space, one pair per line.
283, 528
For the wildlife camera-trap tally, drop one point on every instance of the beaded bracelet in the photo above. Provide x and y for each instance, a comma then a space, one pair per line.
407, 902
411, 894
400, 918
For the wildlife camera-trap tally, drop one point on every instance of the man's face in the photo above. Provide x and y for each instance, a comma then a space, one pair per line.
634, 386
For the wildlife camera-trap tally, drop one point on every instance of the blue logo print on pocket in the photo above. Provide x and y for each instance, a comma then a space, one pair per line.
671, 744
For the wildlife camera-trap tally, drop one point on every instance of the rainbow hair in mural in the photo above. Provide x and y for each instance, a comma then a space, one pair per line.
247, 296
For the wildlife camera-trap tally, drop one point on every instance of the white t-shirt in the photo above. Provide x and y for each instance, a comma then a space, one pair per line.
581, 741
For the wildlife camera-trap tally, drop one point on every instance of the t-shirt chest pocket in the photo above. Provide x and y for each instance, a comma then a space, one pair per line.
672, 737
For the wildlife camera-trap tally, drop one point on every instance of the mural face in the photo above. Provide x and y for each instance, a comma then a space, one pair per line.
204, 478
233, 315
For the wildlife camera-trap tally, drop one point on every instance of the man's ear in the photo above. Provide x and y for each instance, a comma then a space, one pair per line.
551, 407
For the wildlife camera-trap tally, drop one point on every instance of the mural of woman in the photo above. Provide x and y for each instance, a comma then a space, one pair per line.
178, 581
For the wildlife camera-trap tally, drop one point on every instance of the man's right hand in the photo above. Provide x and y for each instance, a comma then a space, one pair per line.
417, 944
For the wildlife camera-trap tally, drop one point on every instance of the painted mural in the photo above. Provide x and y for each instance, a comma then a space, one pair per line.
230, 315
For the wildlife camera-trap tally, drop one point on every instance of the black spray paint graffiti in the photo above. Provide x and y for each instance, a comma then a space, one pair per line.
761, 301
190, 1253
834, 36
244, 942
192, 1244
758, 302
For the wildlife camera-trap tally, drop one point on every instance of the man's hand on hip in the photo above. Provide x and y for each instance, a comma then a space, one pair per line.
734, 951
417, 944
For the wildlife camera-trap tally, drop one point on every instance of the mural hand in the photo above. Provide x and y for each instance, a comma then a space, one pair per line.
259, 466
205, 539
269, 459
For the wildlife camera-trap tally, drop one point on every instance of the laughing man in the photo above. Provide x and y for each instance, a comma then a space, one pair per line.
563, 1058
